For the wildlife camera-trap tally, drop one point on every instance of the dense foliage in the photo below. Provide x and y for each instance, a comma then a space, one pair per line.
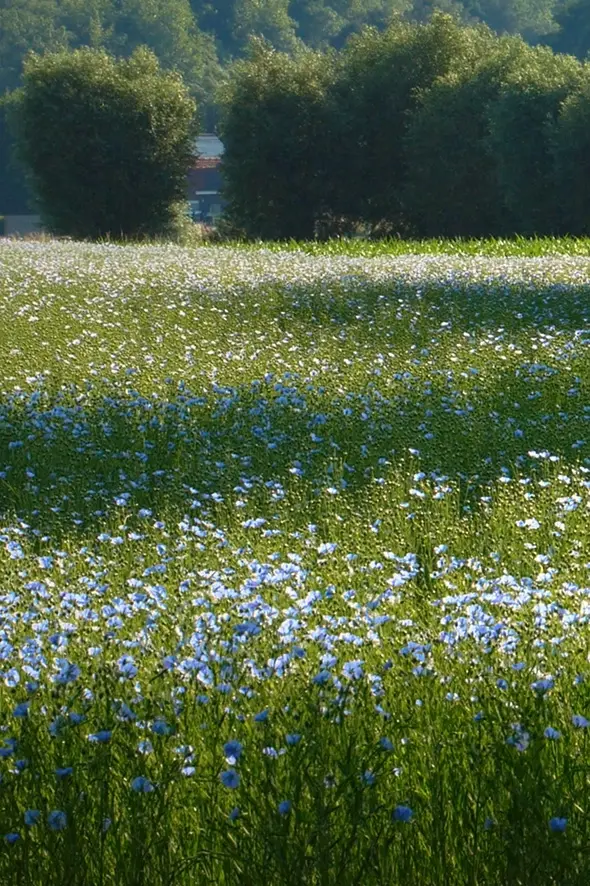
200, 37
294, 561
433, 129
106, 143
272, 138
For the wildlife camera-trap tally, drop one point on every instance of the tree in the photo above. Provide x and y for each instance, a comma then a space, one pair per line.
168, 28
452, 185
272, 126
266, 19
573, 36
14, 194
530, 18
569, 142
106, 143
526, 105
378, 83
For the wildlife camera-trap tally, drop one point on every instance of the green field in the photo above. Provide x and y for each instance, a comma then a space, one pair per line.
295, 565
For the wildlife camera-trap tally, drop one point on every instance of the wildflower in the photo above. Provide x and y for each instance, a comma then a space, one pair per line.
580, 722
293, 739
233, 751
353, 670
285, 807
386, 744
188, 771
64, 771
234, 814
262, 717
552, 734
142, 785
230, 779
368, 778
327, 547
161, 727
520, 739
22, 710
31, 817
402, 813
145, 746
68, 672
558, 825
12, 838
543, 686
57, 820
101, 737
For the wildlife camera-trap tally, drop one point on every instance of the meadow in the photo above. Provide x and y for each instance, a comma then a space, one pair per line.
294, 566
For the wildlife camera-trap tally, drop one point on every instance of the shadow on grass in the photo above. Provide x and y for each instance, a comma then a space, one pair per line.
79, 457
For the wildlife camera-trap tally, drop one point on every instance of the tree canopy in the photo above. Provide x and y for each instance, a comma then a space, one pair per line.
200, 38
106, 143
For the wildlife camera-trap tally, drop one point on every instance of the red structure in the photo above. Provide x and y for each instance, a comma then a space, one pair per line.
204, 180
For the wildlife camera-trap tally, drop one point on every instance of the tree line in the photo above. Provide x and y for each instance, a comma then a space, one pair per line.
420, 130
201, 38
427, 130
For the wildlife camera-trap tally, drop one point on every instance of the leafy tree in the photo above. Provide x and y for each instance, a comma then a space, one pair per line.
573, 36
569, 141
531, 18
266, 19
378, 85
14, 194
272, 123
27, 25
106, 143
216, 17
528, 102
452, 188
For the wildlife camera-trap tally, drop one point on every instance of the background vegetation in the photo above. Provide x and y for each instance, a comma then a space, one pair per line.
200, 39
427, 130
106, 143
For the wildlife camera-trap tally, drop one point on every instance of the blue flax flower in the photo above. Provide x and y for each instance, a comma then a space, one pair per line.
284, 807
142, 785
101, 737
557, 824
233, 751
402, 813
57, 820
230, 779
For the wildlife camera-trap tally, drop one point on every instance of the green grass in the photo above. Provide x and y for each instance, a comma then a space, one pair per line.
346, 491
517, 246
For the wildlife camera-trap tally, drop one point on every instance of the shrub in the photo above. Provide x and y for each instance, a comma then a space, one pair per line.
106, 143
272, 127
520, 123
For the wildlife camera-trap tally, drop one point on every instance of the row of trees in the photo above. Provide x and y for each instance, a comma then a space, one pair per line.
199, 38
433, 129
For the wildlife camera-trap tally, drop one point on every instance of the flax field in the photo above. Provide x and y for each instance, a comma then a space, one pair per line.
294, 567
